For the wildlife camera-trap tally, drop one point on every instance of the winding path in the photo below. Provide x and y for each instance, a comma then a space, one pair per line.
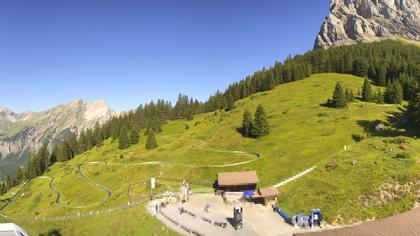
107, 190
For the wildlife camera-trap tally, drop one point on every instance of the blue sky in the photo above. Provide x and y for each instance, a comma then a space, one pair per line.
129, 52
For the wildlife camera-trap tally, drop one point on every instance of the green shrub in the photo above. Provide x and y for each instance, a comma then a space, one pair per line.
357, 138
402, 155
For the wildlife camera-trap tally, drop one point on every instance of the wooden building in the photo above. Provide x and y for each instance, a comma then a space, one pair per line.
267, 196
237, 181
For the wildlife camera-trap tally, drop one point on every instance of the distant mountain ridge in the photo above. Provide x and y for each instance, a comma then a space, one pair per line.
352, 21
20, 133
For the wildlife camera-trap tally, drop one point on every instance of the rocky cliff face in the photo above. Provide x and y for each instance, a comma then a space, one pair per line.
24, 132
353, 21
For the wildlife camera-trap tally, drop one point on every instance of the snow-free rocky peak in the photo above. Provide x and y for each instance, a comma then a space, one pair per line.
352, 21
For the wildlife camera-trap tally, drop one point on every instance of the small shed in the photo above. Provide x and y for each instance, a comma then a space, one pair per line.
267, 196
237, 181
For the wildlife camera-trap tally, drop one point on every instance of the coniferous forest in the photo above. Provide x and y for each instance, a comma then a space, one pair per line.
388, 63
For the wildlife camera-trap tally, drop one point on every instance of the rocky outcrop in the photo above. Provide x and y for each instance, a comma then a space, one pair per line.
24, 132
353, 21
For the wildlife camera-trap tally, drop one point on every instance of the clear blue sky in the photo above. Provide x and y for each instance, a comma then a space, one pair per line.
129, 52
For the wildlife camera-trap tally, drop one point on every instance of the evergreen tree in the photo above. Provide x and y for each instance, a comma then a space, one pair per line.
19, 175
339, 99
413, 111
230, 103
65, 152
151, 140
393, 93
106, 133
98, 135
90, 138
247, 124
349, 95
379, 97
114, 128
134, 136
83, 143
124, 142
260, 124
73, 144
42, 158
409, 85
54, 154
367, 93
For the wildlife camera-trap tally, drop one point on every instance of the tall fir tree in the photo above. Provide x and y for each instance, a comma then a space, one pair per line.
54, 154
123, 141
83, 143
134, 136
230, 103
393, 93
247, 124
367, 93
413, 112
260, 125
65, 152
339, 99
349, 95
98, 135
379, 97
151, 140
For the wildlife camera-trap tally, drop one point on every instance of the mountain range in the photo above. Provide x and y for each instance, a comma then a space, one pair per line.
353, 21
21, 133
349, 22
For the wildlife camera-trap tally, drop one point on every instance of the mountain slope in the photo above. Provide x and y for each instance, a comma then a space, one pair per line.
24, 132
304, 133
353, 21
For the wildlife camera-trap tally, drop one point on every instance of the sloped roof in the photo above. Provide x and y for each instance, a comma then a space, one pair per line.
237, 178
268, 192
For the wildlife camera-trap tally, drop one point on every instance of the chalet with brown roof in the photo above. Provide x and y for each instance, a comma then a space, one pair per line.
267, 196
237, 181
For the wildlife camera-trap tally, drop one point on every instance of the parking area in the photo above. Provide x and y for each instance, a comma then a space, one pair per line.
258, 219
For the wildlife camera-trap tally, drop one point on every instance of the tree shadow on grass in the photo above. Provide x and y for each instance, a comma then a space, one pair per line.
390, 130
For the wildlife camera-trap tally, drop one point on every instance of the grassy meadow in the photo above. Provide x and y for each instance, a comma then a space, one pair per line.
304, 133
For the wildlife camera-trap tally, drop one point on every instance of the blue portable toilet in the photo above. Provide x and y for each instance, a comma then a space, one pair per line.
315, 217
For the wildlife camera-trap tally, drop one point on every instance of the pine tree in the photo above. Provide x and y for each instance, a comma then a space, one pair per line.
260, 124
230, 103
151, 140
90, 138
54, 154
82, 142
349, 95
413, 111
393, 93
134, 136
123, 141
367, 93
98, 135
379, 97
409, 85
339, 99
43, 156
19, 175
247, 124
65, 152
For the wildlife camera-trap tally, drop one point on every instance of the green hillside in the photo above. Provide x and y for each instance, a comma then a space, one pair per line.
100, 183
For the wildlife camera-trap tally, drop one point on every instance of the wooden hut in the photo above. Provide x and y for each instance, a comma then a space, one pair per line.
237, 181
